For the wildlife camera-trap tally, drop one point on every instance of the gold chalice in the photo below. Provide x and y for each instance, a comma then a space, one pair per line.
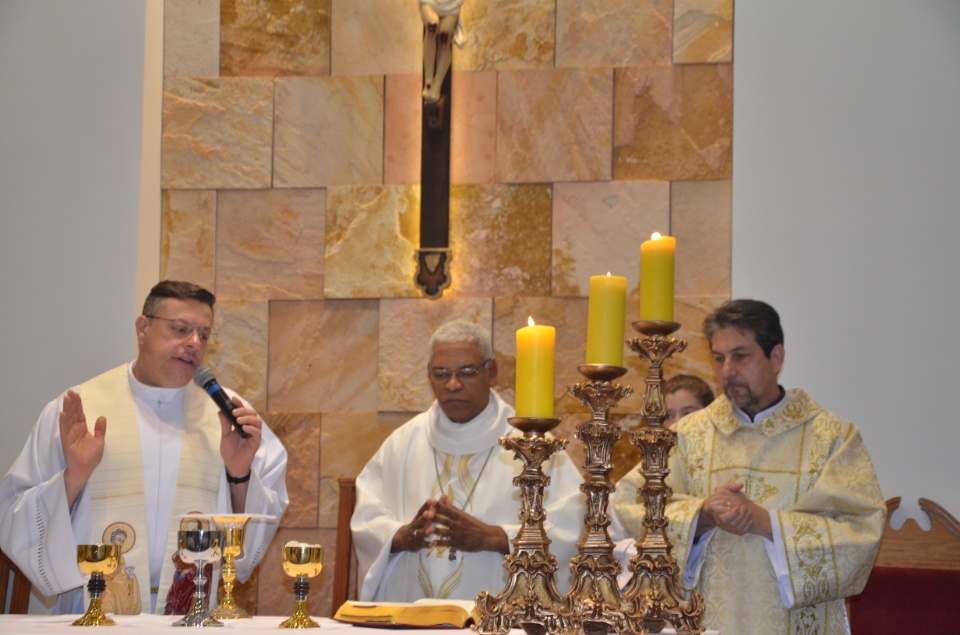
232, 526
199, 544
96, 561
301, 561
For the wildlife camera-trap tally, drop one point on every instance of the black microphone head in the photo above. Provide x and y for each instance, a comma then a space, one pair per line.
203, 376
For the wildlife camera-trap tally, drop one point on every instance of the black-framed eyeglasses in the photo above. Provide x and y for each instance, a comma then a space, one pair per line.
464, 373
182, 329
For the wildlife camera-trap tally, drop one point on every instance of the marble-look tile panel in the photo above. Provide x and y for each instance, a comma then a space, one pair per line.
347, 442
300, 434
614, 32
372, 237
217, 133
702, 31
473, 128
328, 131
568, 316
269, 39
507, 35
376, 37
500, 240
405, 330
270, 244
598, 228
701, 221
401, 133
554, 125
673, 123
238, 349
275, 594
323, 356
188, 236
191, 38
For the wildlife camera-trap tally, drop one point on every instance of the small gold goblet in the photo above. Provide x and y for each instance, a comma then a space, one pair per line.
199, 545
96, 561
232, 527
301, 561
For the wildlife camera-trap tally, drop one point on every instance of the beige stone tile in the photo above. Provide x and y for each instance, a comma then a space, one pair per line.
507, 36
402, 138
268, 39
372, 236
323, 356
614, 32
191, 38
500, 240
376, 37
702, 31
328, 131
275, 594
701, 221
348, 441
238, 350
188, 236
673, 123
270, 244
598, 228
300, 434
473, 133
217, 133
554, 125
568, 316
405, 330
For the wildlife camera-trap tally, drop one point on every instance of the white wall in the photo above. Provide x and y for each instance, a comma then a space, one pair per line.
846, 217
71, 115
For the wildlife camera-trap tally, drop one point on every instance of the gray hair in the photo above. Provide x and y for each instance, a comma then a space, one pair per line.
463, 331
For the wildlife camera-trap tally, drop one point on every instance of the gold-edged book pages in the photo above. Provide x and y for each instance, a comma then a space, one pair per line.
426, 613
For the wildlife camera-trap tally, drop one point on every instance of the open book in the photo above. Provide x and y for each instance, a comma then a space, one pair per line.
426, 613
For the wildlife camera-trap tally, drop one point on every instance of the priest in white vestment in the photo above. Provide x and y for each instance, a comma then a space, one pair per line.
137, 447
436, 505
776, 514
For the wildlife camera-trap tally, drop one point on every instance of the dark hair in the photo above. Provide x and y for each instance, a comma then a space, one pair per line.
752, 316
698, 388
177, 290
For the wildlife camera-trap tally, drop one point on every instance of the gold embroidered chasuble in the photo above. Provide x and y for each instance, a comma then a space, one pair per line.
116, 488
812, 468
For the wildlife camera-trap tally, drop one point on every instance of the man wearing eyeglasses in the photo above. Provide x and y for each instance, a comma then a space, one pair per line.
436, 505
140, 445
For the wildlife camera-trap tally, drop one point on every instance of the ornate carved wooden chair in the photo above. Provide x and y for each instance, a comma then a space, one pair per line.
345, 582
915, 583
14, 587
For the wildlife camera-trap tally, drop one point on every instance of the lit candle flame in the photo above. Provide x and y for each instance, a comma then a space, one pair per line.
655, 236
530, 320
608, 274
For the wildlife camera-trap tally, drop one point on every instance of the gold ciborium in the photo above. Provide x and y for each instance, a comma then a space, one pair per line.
201, 543
232, 526
96, 561
301, 561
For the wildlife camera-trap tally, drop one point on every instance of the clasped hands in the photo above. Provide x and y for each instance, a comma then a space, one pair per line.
438, 520
729, 509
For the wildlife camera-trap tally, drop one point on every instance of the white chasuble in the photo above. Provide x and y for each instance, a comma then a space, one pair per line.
808, 466
116, 488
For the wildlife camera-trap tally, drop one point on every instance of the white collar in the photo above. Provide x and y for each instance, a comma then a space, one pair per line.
480, 433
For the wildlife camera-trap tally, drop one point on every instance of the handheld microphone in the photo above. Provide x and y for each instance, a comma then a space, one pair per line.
205, 378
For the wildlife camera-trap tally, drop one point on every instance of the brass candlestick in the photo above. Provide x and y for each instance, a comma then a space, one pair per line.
594, 603
530, 598
653, 597
97, 561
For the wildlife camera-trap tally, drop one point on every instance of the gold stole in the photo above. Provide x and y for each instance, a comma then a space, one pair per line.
116, 487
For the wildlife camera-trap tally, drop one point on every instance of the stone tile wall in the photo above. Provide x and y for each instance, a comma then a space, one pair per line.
290, 172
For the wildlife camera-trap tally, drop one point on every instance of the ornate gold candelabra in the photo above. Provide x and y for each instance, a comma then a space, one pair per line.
593, 605
653, 598
530, 598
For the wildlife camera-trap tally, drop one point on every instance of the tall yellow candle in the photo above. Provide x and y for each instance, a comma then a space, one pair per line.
656, 278
535, 345
606, 313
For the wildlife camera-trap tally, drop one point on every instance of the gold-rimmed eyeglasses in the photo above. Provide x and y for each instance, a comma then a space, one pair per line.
464, 373
182, 329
